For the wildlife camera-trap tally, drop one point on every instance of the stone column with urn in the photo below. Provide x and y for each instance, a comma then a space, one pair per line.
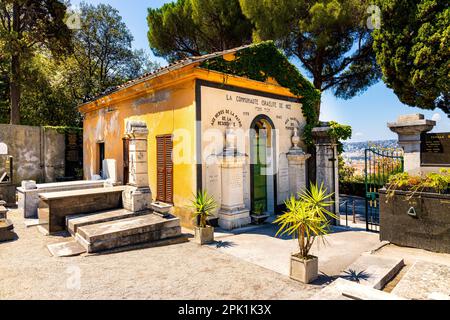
297, 165
232, 213
327, 170
137, 195
409, 129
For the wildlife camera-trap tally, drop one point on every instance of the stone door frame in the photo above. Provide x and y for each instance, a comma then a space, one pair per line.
274, 159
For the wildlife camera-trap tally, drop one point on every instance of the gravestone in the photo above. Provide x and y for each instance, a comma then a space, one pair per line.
410, 128
233, 214
297, 166
213, 179
137, 195
435, 149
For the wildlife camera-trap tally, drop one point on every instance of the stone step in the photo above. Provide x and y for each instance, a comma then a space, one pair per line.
373, 271
66, 249
342, 289
425, 281
73, 222
134, 230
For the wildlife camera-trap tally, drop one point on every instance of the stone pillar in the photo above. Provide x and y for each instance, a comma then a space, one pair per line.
297, 166
409, 129
137, 195
327, 171
232, 213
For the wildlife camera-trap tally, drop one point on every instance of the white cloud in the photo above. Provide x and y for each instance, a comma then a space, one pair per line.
436, 117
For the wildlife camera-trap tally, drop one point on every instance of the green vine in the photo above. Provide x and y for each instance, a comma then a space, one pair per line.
340, 132
262, 61
64, 129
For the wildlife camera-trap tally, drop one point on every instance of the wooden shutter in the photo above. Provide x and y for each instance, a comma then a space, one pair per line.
164, 147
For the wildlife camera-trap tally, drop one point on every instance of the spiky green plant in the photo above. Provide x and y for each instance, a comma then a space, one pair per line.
307, 217
203, 204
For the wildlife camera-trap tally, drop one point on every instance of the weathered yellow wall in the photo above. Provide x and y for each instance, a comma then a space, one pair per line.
167, 104
166, 111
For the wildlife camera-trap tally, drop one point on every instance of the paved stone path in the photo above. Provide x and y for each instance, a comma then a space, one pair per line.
183, 271
261, 247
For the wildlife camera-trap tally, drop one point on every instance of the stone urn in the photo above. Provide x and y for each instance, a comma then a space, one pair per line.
204, 235
160, 208
6, 230
304, 270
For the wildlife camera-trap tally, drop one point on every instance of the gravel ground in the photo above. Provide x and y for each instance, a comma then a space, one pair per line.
182, 271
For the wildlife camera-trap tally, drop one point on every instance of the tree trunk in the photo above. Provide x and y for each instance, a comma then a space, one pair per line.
15, 71
15, 90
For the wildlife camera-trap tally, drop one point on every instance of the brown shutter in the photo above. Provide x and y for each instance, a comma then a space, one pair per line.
164, 148
169, 169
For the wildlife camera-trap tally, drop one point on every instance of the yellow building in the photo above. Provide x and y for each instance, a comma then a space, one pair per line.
187, 109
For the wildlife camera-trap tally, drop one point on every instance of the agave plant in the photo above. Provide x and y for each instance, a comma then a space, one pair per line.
203, 204
307, 217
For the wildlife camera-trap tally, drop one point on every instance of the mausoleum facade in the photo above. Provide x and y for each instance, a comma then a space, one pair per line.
237, 138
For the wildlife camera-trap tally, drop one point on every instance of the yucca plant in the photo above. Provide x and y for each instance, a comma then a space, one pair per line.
203, 204
307, 217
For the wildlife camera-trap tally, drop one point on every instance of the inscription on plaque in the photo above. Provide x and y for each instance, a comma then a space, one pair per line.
435, 149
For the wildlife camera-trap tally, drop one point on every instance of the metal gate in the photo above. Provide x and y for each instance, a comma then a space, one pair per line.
380, 164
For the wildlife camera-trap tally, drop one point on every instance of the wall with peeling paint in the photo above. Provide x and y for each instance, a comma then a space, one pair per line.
164, 111
167, 104
38, 153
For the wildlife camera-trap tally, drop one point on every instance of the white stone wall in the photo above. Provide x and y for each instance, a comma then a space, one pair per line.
221, 108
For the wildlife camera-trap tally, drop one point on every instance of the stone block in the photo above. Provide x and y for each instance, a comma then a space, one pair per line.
56, 206
115, 234
234, 220
136, 199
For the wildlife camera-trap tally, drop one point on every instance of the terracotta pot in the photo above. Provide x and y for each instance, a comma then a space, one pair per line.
204, 235
302, 270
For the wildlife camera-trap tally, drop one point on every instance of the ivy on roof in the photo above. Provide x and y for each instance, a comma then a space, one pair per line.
262, 61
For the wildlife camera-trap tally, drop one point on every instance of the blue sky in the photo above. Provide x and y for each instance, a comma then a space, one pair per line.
367, 113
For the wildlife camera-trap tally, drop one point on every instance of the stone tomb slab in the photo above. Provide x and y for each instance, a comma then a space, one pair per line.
6, 230
66, 249
54, 207
373, 271
425, 280
342, 289
76, 221
120, 233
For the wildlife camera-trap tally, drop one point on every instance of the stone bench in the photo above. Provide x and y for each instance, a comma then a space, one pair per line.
54, 207
28, 194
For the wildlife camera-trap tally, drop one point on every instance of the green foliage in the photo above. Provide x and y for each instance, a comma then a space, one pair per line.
341, 133
195, 27
413, 49
103, 52
26, 27
432, 182
259, 209
203, 205
264, 60
53, 85
64, 129
307, 217
328, 37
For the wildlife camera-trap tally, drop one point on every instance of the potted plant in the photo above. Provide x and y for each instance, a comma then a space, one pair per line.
306, 218
203, 205
258, 216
